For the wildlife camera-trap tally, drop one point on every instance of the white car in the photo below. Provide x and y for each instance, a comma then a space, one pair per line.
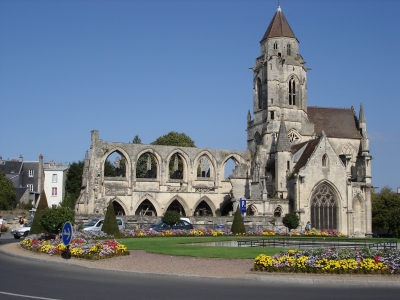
21, 231
97, 223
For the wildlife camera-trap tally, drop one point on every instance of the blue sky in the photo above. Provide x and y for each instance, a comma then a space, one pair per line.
151, 67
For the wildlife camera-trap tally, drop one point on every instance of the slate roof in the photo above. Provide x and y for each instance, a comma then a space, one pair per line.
283, 143
336, 122
11, 167
279, 27
311, 144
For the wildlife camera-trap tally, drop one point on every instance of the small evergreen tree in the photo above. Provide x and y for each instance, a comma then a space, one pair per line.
238, 224
291, 221
171, 217
42, 205
110, 225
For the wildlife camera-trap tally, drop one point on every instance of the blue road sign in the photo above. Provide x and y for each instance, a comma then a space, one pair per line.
242, 204
67, 233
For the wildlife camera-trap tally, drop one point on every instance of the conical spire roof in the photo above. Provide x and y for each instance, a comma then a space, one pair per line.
279, 27
283, 143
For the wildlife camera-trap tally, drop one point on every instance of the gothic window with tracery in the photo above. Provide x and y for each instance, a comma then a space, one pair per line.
294, 137
292, 92
323, 208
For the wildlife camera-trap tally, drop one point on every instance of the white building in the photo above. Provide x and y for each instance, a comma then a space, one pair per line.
54, 182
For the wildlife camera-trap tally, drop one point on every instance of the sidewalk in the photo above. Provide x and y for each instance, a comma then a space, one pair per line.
147, 263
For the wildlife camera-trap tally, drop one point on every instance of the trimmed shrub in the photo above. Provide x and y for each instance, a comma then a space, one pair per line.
238, 224
42, 205
291, 221
53, 219
110, 225
171, 217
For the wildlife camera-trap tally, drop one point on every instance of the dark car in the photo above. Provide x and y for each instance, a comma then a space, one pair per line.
182, 224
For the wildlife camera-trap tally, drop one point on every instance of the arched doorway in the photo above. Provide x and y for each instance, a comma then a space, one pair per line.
146, 208
324, 208
203, 209
177, 206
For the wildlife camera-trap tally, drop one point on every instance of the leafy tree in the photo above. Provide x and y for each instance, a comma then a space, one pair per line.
171, 217
238, 224
174, 139
7, 193
42, 205
109, 169
291, 221
73, 184
52, 220
385, 210
110, 225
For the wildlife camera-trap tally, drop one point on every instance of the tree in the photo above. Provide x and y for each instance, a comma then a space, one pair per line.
291, 221
110, 225
136, 140
73, 184
174, 139
7, 193
238, 224
171, 217
385, 209
42, 205
52, 220
109, 169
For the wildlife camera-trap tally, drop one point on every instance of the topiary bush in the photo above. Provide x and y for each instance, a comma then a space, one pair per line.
171, 217
291, 221
42, 205
110, 225
52, 220
238, 224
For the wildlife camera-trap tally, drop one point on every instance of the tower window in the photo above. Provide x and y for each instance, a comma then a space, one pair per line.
275, 45
259, 94
272, 115
288, 52
292, 92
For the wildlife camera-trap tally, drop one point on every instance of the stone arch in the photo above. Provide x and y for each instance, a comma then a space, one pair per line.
142, 205
324, 204
123, 153
208, 203
239, 161
358, 215
185, 164
212, 164
226, 206
157, 158
119, 206
278, 211
252, 210
185, 208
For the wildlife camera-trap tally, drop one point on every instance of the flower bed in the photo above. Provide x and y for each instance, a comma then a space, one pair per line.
226, 232
81, 246
331, 261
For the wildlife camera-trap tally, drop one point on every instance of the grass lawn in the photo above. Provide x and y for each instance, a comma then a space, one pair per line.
181, 246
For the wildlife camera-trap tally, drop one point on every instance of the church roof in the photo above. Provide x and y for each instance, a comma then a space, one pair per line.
311, 144
336, 122
279, 27
283, 143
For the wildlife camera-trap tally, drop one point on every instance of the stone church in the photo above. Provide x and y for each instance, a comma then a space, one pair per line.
313, 161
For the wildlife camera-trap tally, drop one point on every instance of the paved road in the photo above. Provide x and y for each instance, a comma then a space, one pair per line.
33, 279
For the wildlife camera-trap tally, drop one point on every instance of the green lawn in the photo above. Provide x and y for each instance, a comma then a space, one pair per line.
183, 246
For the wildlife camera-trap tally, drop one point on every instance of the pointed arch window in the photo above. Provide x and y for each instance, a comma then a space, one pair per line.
292, 92
288, 50
275, 45
259, 94
323, 208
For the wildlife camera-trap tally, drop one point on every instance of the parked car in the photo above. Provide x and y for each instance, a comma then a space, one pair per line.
97, 223
181, 224
21, 231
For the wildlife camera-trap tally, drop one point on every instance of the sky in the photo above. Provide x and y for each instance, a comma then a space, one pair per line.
148, 67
